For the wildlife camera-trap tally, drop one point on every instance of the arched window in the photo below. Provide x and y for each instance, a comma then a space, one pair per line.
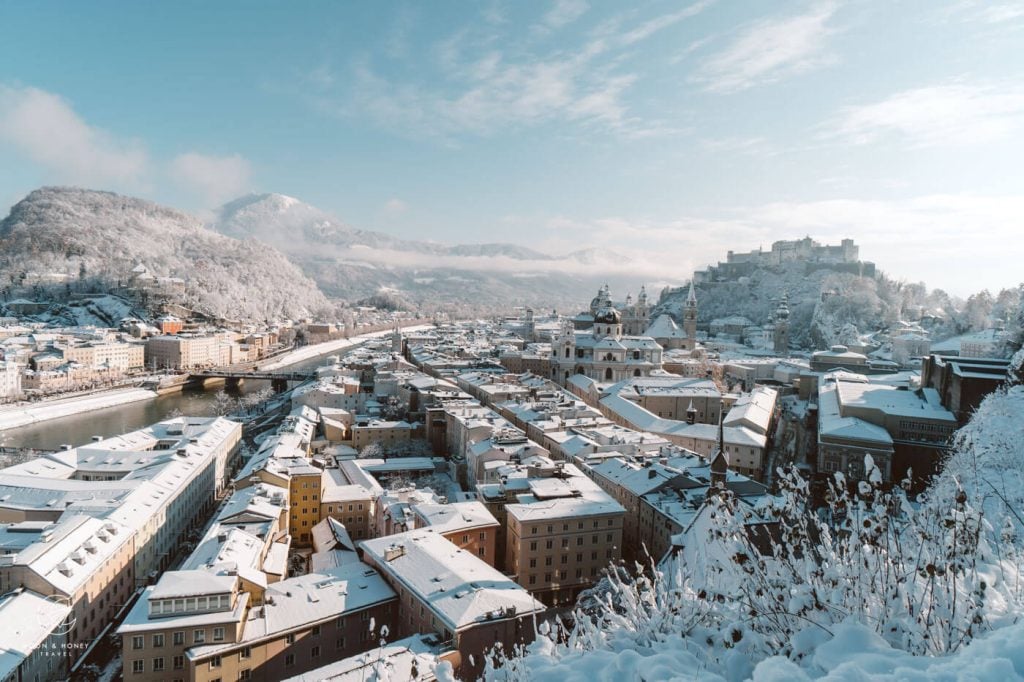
608, 373
579, 370
609, 357
636, 372
567, 351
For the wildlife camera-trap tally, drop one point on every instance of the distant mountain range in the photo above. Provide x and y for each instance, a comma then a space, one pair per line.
354, 264
269, 255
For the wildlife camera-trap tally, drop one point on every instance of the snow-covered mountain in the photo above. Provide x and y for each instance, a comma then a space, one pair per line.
99, 237
350, 263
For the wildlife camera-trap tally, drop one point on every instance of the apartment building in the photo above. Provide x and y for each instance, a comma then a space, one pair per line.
562, 532
467, 525
451, 592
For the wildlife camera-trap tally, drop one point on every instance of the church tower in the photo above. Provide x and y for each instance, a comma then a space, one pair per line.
690, 319
530, 327
781, 340
643, 313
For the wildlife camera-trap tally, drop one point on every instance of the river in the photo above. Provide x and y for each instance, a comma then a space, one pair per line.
80, 428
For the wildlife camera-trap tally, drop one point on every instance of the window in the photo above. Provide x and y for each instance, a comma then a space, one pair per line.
465, 537
340, 622
289, 660
158, 640
138, 667
179, 638
480, 551
244, 674
290, 639
214, 662
198, 636
533, 563
533, 546
339, 644
245, 653
178, 662
533, 580
137, 642
483, 535
550, 544
316, 630
314, 652
158, 664
218, 634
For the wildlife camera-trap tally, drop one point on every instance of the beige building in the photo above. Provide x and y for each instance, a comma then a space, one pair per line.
450, 592
121, 356
467, 525
200, 626
561, 537
380, 431
187, 352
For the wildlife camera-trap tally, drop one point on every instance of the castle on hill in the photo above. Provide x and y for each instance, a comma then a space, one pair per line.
842, 257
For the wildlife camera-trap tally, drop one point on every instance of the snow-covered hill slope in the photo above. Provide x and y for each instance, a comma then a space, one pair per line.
101, 236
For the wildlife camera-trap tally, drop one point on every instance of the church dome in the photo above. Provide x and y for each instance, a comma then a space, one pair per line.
608, 316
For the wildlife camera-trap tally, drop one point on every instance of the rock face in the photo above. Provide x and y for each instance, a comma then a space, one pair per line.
99, 237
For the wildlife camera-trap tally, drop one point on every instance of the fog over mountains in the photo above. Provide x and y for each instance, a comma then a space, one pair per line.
353, 264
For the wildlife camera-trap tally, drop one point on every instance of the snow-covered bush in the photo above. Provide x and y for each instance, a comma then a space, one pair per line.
873, 569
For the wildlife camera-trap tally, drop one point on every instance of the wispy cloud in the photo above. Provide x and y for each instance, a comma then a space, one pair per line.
770, 50
480, 85
564, 12
214, 179
44, 127
395, 207
951, 113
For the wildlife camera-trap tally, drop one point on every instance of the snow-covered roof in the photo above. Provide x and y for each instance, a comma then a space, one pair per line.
28, 620
412, 658
451, 518
460, 588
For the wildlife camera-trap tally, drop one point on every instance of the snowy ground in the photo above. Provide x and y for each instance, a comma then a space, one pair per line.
22, 415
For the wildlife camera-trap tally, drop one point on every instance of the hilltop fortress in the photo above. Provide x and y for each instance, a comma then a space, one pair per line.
842, 257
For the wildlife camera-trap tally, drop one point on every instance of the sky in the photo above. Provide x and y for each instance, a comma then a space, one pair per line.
665, 133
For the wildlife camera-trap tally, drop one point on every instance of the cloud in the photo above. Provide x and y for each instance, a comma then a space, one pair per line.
959, 242
479, 84
769, 51
395, 207
649, 28
44, 128
953, 113
215, 179
564, 12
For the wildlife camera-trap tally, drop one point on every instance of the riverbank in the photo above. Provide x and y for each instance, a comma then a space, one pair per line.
26, 414
23, 415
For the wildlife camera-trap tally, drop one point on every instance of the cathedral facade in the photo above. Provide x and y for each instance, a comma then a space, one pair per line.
606, 352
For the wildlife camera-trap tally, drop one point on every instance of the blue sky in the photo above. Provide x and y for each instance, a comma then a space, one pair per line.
666, 132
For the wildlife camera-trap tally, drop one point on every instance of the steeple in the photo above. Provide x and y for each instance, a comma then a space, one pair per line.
642, 298
719, 461
690, 319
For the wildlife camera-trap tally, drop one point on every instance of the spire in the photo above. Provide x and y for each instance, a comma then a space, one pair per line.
691, 298
643, 294
719, 462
